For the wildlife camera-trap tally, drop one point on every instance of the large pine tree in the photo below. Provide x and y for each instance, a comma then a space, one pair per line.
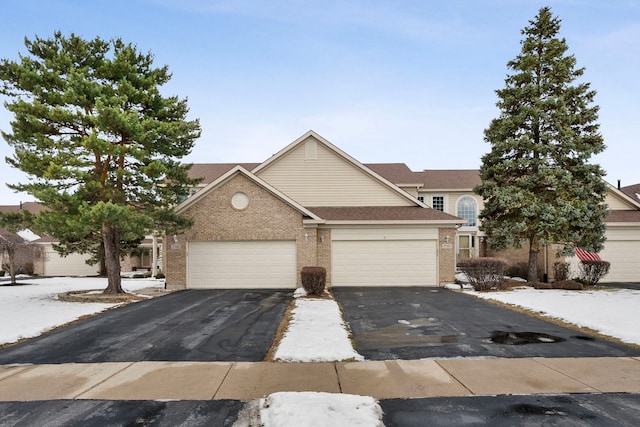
537, 183
99, 142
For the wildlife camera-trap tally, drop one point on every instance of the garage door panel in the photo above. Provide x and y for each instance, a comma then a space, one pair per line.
623, 256
384, 263
265, 264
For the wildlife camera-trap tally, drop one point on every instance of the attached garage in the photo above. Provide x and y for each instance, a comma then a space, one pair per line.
384, 257
70, 265
621, 249
241, 264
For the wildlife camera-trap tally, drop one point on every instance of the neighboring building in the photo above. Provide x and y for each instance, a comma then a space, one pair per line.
257, 225
46, 261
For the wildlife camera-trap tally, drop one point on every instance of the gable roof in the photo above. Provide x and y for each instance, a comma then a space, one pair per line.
209, 172
632, 191
32, 207
238, 169
379, 179
398, 173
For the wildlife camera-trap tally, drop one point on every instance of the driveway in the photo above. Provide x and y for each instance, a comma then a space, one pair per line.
415, 323
192, 325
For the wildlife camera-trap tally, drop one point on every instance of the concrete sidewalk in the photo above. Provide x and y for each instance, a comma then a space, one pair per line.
379, 379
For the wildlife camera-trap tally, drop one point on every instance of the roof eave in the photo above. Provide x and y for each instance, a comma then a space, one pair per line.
393, 222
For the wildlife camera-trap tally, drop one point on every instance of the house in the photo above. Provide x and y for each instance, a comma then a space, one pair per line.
46, 261
622, 246
452, 191
311, 204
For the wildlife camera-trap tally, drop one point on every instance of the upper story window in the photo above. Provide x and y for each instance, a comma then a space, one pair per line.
437, 202
468, 210
421, 198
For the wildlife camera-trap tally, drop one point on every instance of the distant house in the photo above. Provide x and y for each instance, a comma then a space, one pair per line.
257, 224
46, 261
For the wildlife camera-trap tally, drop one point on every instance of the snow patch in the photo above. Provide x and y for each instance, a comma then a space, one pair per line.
316, 333
312, 409
612, 312
29, 310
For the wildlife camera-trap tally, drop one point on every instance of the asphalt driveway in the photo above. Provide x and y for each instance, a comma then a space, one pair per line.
415, 323
192, 325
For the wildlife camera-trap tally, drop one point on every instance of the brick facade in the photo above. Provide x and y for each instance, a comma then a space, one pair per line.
518, 258
446, 255
266, 217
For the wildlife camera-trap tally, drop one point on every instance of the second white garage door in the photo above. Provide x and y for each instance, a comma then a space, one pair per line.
623, 256
253, 264
384, 263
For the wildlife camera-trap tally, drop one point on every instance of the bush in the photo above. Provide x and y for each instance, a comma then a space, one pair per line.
313, 280
520, 269
484, 273
592, 271
561, 271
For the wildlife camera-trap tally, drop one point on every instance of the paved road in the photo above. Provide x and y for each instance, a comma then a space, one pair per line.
601, 410
415, 323
202, 325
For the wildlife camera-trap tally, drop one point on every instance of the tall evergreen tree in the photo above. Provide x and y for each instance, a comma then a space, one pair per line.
537, 183
99, 142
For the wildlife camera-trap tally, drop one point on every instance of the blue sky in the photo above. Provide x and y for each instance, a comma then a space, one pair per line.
386, 81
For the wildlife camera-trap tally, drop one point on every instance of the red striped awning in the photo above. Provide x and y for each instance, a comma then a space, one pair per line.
586, 255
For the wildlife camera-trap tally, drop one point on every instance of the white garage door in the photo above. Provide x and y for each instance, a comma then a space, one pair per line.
255, 264
384, 263
70, 265
623, 256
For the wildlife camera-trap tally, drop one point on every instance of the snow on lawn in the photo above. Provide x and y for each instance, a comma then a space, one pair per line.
612, 312
316, 333
33, 308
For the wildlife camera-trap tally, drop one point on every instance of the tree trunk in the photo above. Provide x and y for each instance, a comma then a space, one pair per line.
532, 273
12, 265
111, 239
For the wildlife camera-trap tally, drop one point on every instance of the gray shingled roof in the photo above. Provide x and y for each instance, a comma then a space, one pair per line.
623, 216
632, 191
381, 213
209, 172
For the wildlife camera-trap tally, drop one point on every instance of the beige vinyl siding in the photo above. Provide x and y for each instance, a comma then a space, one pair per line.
617, 204
330, 180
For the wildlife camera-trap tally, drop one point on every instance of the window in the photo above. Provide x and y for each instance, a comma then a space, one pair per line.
437, 202
468, 210
421, 198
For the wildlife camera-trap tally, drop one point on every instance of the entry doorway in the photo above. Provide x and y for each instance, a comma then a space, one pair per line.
466, 247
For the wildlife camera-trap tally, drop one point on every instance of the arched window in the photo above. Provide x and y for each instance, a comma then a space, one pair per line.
468, 209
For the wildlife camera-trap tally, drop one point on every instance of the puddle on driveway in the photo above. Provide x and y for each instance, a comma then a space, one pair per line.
520, 338
408, 333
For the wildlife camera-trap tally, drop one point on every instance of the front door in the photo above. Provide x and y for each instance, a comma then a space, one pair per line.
466, 247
